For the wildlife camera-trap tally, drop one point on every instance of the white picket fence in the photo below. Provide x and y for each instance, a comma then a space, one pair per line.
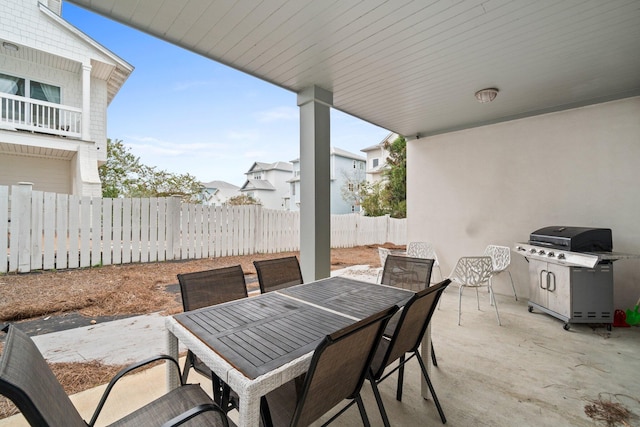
57, 231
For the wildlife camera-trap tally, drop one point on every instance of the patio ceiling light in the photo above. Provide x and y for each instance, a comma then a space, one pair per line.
10, 46
486, 95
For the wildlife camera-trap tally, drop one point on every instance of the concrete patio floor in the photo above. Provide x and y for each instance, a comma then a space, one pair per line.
527, 372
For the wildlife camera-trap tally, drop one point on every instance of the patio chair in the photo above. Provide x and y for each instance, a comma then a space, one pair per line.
279, 273
474, 272
414, 274
407, 272
338, 369
202, 289
425, 250
28, 381
501, 257
406, 338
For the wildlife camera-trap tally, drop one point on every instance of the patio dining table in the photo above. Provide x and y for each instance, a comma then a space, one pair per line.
257, 344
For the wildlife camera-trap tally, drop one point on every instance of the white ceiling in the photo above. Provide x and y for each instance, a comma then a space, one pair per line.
413, 66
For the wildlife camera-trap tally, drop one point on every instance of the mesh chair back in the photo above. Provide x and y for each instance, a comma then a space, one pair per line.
27, 380
210, 287
472, 270
339, 367
422, 250
407, 272
500, 255
279, 273
413, 322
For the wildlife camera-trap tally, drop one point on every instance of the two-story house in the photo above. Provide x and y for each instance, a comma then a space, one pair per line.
347, 172
216, 193
377, 158
55, 86
268, 183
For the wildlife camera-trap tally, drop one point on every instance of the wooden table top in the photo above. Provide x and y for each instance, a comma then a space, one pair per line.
258, 334
348, 296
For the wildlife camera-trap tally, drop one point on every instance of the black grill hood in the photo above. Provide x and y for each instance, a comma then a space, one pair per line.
576, 239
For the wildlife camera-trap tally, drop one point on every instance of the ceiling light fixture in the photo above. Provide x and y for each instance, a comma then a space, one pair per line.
10, 46
486, 95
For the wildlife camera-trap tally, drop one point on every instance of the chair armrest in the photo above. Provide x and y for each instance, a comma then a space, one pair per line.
124, 372
195, 411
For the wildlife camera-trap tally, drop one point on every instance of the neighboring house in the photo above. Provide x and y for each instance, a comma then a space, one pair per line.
347, 171
55, 86
267, 183
216, 193
377, 159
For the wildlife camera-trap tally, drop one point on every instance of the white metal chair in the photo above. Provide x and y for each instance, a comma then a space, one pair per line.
501, 258
425, 250
474, 272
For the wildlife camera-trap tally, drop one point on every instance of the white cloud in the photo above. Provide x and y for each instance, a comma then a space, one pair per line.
277, 114
256, 154
247, 135
152, 145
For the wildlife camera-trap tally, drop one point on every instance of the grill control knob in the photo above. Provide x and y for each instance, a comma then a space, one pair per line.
560, 256
541, 252
533, 250
551, 254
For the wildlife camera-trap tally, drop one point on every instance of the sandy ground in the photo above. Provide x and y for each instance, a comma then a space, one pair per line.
132, 288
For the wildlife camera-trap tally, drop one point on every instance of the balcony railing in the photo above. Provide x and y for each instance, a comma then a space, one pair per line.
18, 112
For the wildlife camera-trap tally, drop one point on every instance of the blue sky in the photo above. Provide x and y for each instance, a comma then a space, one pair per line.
185, 113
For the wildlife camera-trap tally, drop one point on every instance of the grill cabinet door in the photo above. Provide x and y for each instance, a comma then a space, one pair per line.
550, 286
538, 282
559, 291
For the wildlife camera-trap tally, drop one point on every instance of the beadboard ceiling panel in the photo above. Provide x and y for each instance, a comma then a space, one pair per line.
413, 67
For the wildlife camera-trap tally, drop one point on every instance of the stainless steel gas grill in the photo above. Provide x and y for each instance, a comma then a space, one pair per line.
571, 273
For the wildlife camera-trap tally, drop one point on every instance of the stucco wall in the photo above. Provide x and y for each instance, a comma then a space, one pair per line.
495, 184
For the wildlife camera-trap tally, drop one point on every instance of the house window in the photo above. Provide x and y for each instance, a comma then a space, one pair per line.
257, 176
293, 190
375, 163
12, 110
40, 114
350, 186
354, 164
45, 92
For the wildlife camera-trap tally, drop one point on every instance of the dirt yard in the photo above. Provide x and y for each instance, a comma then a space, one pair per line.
123, 290
132, 288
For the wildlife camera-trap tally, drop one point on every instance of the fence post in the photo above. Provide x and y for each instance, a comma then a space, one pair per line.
20, 258
4, 228
173, 218
387, 227
259, 236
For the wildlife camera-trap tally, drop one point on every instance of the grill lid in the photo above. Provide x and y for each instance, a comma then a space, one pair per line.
577, 239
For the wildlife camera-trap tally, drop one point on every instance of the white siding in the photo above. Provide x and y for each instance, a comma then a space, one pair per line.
99, 117
51, 175
496, 184
70, 83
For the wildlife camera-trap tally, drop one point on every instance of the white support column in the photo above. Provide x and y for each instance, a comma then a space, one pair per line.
315, 181
425, 350
86, 101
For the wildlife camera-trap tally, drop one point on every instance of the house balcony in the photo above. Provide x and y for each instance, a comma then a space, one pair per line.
26, 114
